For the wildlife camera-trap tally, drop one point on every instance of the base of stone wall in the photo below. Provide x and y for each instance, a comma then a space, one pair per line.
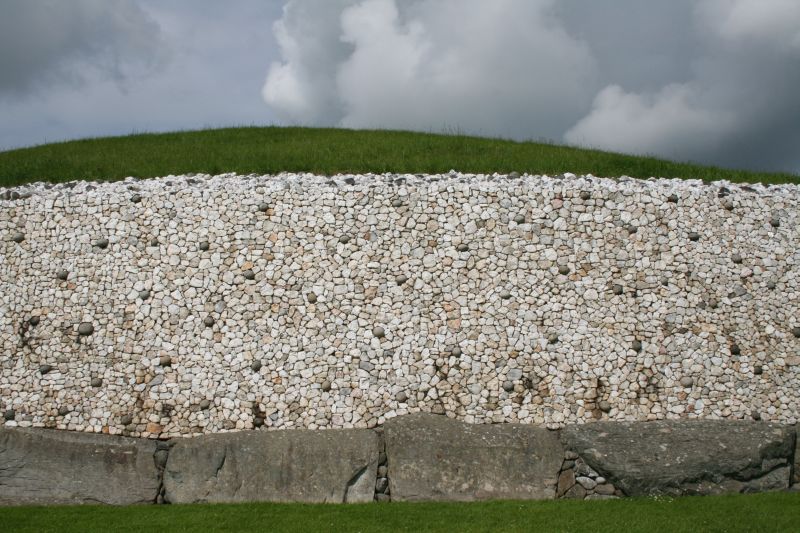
418, 457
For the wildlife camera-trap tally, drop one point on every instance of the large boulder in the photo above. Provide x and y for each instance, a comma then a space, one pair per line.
437, 458
335, 466
677, 457
42, 466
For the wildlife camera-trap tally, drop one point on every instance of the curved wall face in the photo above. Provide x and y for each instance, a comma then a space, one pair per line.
189, 305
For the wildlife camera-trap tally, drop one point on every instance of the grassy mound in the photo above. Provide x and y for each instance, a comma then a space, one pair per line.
329, 151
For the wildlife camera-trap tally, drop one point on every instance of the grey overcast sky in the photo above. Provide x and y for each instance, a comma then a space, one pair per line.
712, 81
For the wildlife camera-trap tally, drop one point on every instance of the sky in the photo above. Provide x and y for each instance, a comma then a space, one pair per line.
708, 81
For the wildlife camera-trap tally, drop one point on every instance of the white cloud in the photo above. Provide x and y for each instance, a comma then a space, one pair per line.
504, 67
301, 88
771, 22
670, 122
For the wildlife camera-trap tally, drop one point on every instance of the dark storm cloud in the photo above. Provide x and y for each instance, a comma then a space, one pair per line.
714, 81
49, 42
114, 67
737, 105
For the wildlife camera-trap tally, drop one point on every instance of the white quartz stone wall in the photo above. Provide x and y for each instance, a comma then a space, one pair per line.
197, 304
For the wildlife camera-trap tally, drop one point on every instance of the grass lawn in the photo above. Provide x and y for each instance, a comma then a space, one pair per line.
752, 512
329, 151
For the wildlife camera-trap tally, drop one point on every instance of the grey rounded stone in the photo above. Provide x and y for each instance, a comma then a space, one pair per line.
208, 321
381, 484
401, 397
326, 385
204, 404
18, 237
456, 351
513, 175
96, 382
378, 332
758, 370
687, 382
154, 242
256, 365
402, 278
204, 246
673, 198
713, 303
796, 332
508, 385
62, 275
771, 285
161, 455
312, 298
136, 198
552, 338
344, 239
631, 229
126, 420
563, 270
636, 345
249, 275
736, 258
728, 204
462, 247
775, 222
101, 243
63, 410
45, 369
519, 219
756, 415
258, 421
604, 406
85, 328
165, 360
397, 203
694, 236
505, 295
586, 195
383, 470
34, 321
9, 414
263, 207
617, 289
144, 295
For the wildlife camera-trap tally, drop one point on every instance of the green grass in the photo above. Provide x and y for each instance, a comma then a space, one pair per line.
329, 151
753, 512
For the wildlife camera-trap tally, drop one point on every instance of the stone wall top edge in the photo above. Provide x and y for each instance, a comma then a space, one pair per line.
232, 183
